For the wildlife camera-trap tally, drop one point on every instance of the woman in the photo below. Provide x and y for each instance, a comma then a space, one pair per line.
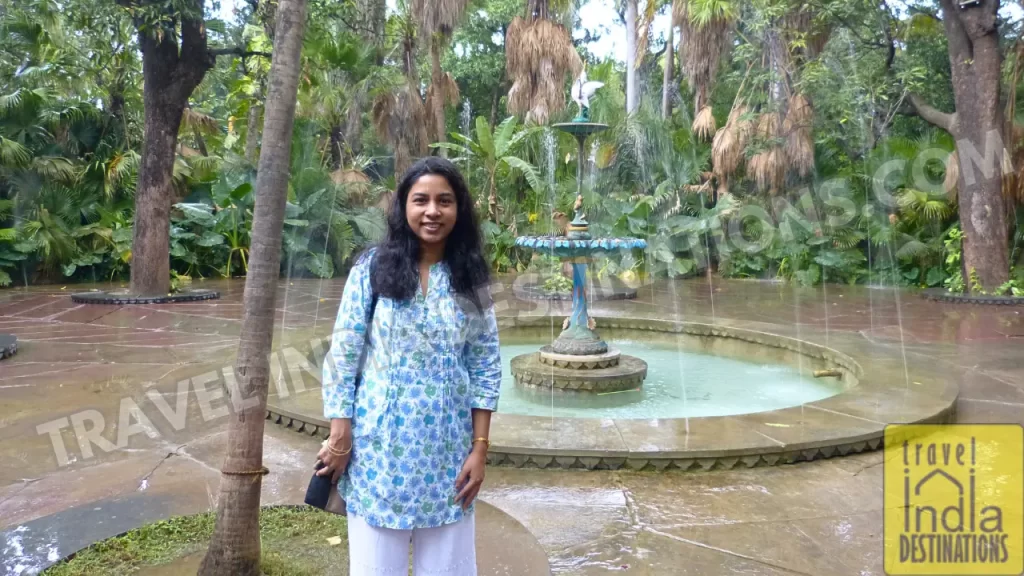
409, 440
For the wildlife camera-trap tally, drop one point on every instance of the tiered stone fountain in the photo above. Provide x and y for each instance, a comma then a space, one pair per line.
579, 360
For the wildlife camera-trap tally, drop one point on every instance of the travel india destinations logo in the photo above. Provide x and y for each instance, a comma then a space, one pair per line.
954, 499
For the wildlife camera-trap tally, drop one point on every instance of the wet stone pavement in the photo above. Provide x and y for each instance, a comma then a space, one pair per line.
113, 416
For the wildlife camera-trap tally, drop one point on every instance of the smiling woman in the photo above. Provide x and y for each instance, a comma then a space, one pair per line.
411, 380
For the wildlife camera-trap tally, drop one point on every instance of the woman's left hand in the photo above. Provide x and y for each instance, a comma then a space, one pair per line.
471, 478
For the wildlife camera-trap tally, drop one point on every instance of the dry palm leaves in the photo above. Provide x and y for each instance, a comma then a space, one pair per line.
768, 167
401, 120
438, 15
799, 138
449, 93
702, 48
806, 32
539, 54
729, 143
704, 124
198, 122
356, 184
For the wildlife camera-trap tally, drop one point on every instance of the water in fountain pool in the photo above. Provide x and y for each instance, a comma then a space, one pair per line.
679, 385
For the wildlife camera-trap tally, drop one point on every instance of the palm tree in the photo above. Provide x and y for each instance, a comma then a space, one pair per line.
437, 19
632, 100
705, 27
539, 53
398, 113
235, 545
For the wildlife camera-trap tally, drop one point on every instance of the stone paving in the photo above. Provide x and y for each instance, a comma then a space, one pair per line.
92, 364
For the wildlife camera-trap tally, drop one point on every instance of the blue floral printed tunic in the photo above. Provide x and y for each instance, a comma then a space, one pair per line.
427, 365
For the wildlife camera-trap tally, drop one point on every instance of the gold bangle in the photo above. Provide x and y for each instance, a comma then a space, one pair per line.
484, 440
337, 452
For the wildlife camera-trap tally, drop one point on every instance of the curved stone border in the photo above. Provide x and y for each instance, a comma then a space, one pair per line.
116, 298
503, 456
878, 392
940, 295
8, 345
535, 291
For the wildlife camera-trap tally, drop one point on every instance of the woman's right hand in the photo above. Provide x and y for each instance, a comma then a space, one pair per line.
339, 442
333, 464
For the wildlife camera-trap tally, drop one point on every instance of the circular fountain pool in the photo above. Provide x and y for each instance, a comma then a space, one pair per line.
679, 384
715, 397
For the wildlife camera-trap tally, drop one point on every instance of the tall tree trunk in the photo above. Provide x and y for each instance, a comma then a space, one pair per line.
370, 20
235, 546
977, 126
666, 85
632, 101
437, 102
169, 76
353, 134
252, 133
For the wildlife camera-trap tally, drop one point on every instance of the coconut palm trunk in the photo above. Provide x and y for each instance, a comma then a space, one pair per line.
437, 80
235, 547
666, 85
632, 101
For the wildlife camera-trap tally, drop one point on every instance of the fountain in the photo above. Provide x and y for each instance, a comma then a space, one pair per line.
579, 360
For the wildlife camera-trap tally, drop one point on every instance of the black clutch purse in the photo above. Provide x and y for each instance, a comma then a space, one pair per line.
323, 494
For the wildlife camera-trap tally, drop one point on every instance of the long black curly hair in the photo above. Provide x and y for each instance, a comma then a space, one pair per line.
394, 272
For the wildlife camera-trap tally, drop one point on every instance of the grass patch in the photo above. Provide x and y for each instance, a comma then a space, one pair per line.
294, 542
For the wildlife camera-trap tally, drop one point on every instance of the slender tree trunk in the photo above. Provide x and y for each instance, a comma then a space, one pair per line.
235, 547
977, 125
170, 74
437, 79
353, 135
371, 18
252, 133
499, 88
632, 102
200, 141
666, 85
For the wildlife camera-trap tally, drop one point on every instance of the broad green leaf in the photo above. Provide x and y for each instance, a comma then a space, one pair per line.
503, 135
484, 137
527, 169
210, 238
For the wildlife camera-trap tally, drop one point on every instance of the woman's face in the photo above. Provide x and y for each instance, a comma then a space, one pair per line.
431, 209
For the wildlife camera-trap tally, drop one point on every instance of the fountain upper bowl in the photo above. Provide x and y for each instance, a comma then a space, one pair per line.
565, 247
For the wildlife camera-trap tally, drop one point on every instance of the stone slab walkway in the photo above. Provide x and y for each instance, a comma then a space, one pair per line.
79, 367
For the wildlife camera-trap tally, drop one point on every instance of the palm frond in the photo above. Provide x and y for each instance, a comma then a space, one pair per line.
13, 154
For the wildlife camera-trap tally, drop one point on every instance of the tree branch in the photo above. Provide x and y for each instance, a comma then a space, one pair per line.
932, 115
238, 51
960, 49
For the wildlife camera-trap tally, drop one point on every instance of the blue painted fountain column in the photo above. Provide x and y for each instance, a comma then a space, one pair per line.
579, 295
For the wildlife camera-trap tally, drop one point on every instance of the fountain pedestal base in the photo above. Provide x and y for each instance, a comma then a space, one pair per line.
579, 341
577, 375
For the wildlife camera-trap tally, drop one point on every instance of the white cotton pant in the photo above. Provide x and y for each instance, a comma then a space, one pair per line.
448, 550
